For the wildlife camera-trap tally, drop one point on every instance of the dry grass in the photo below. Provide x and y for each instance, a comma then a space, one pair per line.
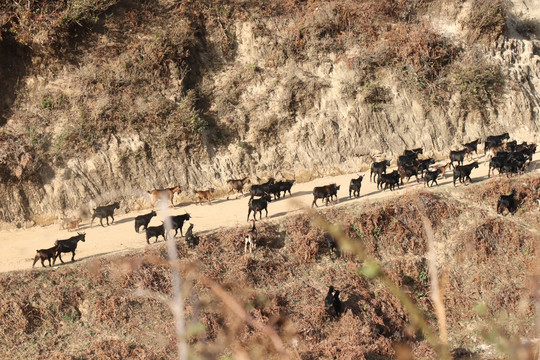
96, 311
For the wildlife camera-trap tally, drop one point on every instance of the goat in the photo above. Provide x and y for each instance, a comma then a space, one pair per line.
156, 231
457, 156
104, 212
258, 205
144, 220
332, 303
46, 254
464, 172
177, 222
391, 180
285, 186
408, 171
73, 224
191, 240
261, 189
326, 192
206, 195
410, 159
378, 168
331, 243
423, 165
416, 151
507, 202
275, 189
495, 140
250, 239
161, 194
237, 185
68, 245
354, 186
472, 146
431, 176
497, 163
443, 169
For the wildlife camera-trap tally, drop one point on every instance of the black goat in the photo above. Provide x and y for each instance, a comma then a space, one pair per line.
431, 176
104, 212
416, 151
191, 240
423, 165
464, 172
332, 303
410, 159
144, 220
495, 140
46, 254
177, 222
354, 186
285, 186
156, 231
326, 192
497, 163
507, 202
457, 156
261, 189
472, 146
275, 190
388, 180
378, 168
68, 245
407, 171
258, 205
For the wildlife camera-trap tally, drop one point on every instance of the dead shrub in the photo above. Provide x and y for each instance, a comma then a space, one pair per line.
113, 310
149, 276
393, 227
486, 20
496, 238
305, 240
118, 350
477, 80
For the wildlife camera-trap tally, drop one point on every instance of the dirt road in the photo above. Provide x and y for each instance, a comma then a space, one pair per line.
18, 247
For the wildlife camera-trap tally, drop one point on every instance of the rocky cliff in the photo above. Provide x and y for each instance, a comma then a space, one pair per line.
264, 110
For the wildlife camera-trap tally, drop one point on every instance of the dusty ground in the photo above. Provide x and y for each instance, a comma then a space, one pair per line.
18, 246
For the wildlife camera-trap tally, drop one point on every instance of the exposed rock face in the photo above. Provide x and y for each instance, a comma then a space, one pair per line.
337, 133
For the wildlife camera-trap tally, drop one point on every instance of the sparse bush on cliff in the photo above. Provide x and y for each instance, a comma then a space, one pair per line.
478, 81
486, 20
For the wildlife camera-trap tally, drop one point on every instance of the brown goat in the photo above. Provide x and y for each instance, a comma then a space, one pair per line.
443, 169
158, 194
46, 254
237, 186
73, 224
206, 195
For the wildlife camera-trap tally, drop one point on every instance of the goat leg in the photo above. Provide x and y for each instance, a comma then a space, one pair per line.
73, 257
60, 257
112, 222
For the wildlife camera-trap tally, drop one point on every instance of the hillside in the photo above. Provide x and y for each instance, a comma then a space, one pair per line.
116, 307
104, 100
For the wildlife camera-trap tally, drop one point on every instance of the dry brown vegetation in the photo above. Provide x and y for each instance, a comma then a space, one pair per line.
111, 308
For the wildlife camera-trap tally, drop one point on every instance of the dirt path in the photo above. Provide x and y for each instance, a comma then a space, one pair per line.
18, 246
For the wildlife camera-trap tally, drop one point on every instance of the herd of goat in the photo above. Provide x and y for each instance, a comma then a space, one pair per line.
503, 155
